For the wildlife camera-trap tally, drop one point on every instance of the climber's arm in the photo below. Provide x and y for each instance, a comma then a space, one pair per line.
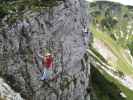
40, 56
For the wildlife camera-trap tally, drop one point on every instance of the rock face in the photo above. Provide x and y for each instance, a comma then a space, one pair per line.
58, 31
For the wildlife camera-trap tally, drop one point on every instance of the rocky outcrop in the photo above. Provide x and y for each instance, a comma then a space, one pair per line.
6, 93
59, 31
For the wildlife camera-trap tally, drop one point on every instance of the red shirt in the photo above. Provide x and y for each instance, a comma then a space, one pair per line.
48, 61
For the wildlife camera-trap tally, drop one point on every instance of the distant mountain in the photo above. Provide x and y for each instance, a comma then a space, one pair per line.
112, 51
116, 20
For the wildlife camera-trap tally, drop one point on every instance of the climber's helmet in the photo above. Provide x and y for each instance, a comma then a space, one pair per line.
48, 55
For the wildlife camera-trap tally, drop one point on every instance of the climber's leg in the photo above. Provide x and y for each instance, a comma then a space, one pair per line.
55, 77
45, 75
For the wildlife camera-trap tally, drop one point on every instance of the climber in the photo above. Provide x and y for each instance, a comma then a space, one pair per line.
47, 63
85, 35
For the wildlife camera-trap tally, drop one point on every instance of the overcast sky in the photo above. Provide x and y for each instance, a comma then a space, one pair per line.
126, 2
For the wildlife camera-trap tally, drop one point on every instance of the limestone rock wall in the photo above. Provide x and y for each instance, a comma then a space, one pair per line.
59, 31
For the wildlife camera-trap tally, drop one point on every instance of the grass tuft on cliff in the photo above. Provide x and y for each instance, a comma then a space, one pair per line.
16, 8
112, 27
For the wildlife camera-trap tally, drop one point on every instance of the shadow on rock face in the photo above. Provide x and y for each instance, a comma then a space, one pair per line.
11, 80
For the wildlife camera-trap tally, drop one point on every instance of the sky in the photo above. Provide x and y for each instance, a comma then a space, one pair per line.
125, 2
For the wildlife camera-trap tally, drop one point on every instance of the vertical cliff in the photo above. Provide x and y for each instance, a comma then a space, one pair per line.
59, 31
